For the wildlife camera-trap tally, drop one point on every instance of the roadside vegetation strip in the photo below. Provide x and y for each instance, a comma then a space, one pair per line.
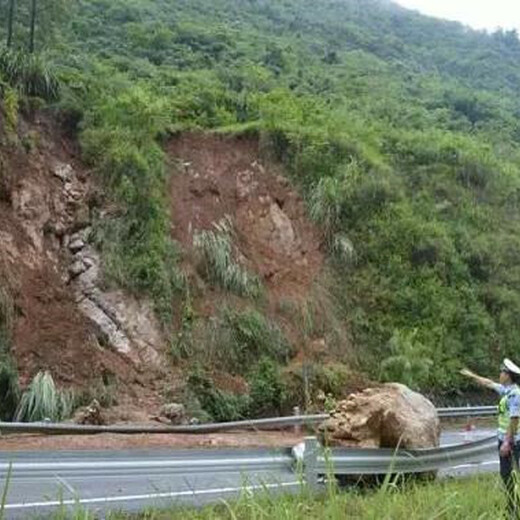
444, 500
453, 500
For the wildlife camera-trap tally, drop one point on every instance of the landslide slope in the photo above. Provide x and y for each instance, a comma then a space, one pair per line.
100, 341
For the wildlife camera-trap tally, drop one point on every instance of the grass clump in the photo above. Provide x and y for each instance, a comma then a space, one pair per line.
6, 318
234, 340
443, 500
42, 400
217, 260
30, 74
239, 338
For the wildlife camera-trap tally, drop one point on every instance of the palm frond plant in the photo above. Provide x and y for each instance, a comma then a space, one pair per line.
42, 400
216, 251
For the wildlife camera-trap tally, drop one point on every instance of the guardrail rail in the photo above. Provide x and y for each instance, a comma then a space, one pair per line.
254, 424
349, 461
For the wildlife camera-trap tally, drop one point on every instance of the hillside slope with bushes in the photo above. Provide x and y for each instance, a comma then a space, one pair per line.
380, 146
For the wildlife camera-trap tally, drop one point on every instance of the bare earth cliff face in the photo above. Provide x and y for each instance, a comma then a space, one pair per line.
65, 321
68, 321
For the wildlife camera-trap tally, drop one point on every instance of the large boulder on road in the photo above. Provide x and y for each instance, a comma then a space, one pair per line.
388, 416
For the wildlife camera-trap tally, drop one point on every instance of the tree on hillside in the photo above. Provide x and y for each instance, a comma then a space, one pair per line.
10, 19
33, 26
33, 21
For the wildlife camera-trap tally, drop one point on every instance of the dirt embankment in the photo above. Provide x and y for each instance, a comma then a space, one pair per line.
141, 441
225, 176
68, 322
45, 207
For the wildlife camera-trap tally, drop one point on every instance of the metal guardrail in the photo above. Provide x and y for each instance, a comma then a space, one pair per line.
467, 411
256, 424
80, 429
184, 462
316, 461
345, 461
267, 468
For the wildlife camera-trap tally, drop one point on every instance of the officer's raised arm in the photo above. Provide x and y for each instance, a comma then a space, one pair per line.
482, 381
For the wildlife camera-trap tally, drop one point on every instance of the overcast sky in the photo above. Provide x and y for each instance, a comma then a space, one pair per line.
479, 14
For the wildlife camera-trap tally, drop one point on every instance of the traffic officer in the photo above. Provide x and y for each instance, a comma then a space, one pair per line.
508, 417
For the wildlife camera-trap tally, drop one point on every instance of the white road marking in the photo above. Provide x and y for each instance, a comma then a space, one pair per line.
64, 483
475, 464
152, 496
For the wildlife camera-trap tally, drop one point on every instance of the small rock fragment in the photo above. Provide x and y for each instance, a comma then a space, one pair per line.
174, 412
76, 245
63, 171
77, 268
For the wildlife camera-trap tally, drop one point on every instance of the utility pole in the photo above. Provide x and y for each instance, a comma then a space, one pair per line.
10, 20
33, 26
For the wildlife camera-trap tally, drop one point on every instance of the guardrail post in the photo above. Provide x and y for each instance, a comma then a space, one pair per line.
297, 427
310, 459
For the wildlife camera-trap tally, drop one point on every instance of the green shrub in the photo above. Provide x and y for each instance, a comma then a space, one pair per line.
266, 389
351, 197
9, 389
307, 383
42, 400
221, 406
217, 260
408, 361
30, 74
119, 140
241, 337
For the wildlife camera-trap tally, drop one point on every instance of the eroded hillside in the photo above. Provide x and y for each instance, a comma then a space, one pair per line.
226, 190
102, 341
64, 321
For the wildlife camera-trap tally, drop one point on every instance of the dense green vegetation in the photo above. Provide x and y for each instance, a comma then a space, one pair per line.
9, 390
402, 132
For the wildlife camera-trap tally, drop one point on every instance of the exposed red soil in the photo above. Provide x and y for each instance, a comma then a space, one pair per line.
218, 176
49, 332
112, 441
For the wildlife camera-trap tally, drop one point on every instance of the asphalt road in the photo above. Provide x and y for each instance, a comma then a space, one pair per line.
486, 465
133, 480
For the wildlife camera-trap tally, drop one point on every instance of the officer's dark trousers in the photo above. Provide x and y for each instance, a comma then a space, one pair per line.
507, 464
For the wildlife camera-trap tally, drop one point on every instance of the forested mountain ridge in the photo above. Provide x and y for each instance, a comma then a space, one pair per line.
400, 131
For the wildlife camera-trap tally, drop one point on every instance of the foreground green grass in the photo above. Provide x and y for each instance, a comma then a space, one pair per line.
480, 497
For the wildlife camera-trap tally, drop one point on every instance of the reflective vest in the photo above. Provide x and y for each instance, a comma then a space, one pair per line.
503, 410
